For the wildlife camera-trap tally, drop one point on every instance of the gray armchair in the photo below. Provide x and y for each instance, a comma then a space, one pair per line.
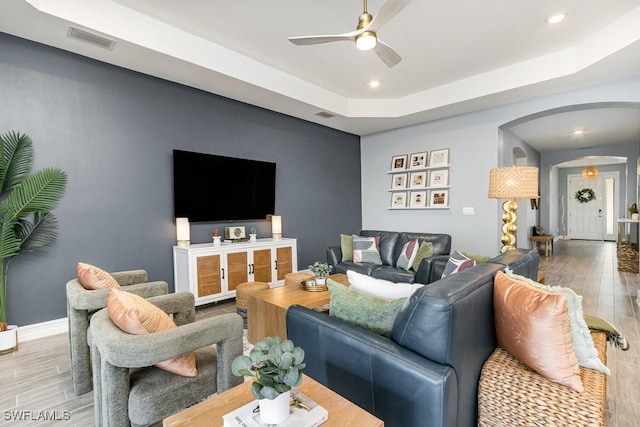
82, 303
129, 390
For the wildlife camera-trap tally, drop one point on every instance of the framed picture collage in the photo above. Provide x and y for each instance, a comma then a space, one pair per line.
420, 180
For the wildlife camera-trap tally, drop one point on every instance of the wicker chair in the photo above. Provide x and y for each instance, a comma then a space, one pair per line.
512, 394
82, 303
129, 390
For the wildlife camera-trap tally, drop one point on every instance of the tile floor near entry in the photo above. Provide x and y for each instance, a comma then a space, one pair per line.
37, 378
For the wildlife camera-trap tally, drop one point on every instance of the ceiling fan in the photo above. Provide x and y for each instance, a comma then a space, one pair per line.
365, 36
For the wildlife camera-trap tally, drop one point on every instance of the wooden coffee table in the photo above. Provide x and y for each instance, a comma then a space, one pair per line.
267, 309
209, 412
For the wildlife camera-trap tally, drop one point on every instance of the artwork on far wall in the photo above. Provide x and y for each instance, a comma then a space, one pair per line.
399, 181
439, 198
439, 157
399, 163
439, 178
418, 160
418, 199
426, 174
418, 180
399, 200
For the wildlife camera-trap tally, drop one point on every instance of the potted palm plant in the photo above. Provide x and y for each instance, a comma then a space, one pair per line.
26, 222
275, 367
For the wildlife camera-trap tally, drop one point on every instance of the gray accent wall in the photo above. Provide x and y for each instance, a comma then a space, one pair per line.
113, 131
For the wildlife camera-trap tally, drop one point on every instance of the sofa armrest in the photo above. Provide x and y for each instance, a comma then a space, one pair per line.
126, 350
374, 372
427, 271
334, 257
80, 298
130, 277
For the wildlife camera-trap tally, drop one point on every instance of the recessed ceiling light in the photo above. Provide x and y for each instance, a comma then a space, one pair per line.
373, 84
556, 18
578, 132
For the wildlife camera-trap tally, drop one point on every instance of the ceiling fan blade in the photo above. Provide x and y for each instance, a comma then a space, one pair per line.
386, 12
388, 55
307, 40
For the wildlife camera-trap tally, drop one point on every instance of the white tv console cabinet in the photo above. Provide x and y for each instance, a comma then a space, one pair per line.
212, 273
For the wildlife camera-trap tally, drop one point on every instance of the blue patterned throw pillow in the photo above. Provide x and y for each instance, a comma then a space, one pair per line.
457, 263
365, 250
408, 254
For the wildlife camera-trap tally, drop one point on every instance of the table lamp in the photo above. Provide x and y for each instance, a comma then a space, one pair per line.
276, 227
516, 182
182, 231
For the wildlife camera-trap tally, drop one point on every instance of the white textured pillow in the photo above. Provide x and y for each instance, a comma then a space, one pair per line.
586, 351
379, 288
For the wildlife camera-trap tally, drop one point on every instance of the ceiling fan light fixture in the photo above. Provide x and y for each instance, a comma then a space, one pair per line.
556, 18
366, 40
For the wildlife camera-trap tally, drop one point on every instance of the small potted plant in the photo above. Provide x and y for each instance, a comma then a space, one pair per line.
253, 234
320, 270
275, 367
633, 211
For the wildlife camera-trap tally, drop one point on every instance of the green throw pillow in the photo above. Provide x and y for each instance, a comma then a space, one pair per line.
479, 259
346, 244
363, 310
424, 251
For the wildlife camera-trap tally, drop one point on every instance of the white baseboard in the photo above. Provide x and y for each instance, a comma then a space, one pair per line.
43, 329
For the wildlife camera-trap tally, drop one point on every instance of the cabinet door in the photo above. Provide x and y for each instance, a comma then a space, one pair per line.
262, 265
208, 275
237, 269
284, 263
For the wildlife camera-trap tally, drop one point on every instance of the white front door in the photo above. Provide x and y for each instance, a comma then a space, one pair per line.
585, 219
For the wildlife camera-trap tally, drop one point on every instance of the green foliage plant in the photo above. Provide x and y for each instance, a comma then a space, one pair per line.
320, 269
26, 200
274, 366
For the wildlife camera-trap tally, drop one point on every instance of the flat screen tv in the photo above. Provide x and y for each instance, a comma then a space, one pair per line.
208, 187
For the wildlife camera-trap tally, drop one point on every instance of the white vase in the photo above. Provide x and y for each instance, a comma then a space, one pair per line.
320, 280
252, 238
635, 216
277, 410
9, 339
216, 241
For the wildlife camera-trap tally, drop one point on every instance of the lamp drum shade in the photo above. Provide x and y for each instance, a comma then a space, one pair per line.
516, 182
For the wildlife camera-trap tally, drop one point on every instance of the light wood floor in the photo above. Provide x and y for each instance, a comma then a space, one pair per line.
36, 378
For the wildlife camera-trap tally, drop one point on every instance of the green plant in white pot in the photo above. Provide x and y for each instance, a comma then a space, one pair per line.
275, 367
320, 270
26, 222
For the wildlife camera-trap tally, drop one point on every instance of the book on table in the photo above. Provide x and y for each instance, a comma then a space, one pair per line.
304, 412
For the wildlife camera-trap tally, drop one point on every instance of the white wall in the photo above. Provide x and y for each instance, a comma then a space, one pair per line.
475, 148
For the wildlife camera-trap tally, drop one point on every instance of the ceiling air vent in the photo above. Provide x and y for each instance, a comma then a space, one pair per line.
94, 39
325, 115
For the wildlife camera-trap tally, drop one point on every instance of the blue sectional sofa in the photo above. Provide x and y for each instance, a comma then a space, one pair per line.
427, 372
391, 243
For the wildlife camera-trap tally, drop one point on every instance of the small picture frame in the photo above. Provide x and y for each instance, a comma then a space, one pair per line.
399, 163
418, 180
418, 199
418, 160
398, 181
439, 198
439, 157
439, 178
399, 200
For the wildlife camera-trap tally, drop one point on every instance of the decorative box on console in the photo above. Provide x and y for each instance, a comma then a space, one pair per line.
234, 233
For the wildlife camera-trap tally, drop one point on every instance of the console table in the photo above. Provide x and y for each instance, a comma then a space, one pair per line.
212, 273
